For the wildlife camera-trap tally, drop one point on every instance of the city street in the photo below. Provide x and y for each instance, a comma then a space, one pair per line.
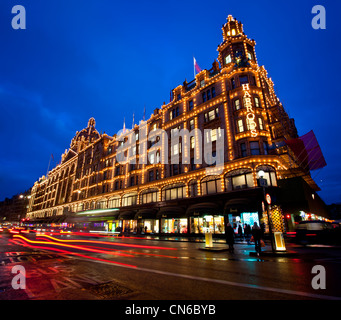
64, 267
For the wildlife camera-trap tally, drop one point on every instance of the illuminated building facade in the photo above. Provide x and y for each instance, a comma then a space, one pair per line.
233, 102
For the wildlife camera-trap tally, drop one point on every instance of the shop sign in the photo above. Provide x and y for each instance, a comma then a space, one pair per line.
250, 115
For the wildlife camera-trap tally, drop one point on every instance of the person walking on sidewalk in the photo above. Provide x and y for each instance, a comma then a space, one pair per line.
257, 235
229, 234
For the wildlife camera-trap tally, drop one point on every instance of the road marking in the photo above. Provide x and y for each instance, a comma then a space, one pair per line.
224, 282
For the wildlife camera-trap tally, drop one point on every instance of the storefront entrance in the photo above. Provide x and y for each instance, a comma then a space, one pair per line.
239, 221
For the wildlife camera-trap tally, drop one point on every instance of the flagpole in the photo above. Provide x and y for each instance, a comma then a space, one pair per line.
194, 66
48, 167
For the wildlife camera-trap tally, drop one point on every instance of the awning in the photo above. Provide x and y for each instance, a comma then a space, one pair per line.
171, 212
205, 208
127, 215
146, 214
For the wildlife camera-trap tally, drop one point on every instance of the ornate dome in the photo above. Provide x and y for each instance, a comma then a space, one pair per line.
84, 137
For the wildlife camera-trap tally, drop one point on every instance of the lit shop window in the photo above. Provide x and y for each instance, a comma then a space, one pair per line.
207, 223
174, 225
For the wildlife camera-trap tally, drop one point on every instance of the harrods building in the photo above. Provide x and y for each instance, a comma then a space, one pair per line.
235, 102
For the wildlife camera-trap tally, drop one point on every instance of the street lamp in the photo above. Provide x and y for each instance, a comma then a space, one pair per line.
263, 184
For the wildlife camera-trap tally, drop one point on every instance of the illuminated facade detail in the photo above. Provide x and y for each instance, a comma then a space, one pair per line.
234, 100
250, 113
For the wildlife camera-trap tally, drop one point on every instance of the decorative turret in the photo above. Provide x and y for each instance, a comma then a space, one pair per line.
237, 49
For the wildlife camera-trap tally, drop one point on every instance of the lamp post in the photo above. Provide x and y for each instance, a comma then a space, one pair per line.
263, 184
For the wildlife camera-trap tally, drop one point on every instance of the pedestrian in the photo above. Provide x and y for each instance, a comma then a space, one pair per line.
240, 232
247, 232
257, 235
229, 234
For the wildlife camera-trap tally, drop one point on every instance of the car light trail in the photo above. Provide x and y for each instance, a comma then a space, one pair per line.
109, 243
74, 253
73, 246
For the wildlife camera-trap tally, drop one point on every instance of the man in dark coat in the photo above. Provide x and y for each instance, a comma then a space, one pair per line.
229, 234
257, 235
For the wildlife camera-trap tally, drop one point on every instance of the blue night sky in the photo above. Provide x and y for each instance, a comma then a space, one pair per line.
108, 59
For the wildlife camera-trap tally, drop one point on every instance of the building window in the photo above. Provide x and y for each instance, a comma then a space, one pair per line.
209, 94
257, 103
211, 115
237, 104
175, 169
151, 175
228, 59
191, 124
150, 196
193, 188
233, 83
249, 55
204, 97
243, 149
210, 185
114, 202
192, 142
132, 181
254, 148
190, 105
260, 122
269, 175
213, 134
240, 125
243, 80
238, 179
174, 113
129, 200
176, 191
266, 148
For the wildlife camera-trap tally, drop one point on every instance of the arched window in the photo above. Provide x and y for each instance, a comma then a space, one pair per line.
174, 191
210, 185
269, 175
149, 195
193, 188
129, 199
238, 179
114, 202
101, 204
